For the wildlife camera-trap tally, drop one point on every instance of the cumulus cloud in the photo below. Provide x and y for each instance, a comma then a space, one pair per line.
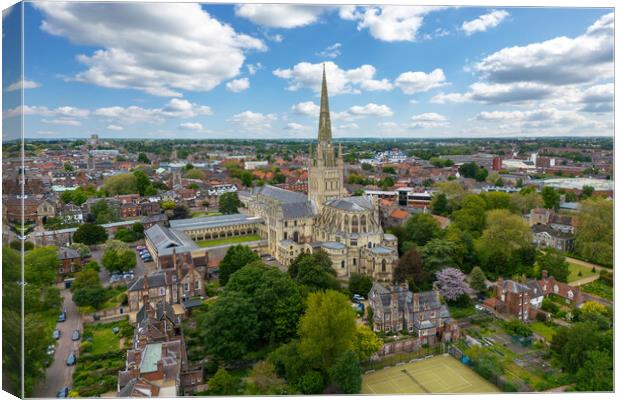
339, 81
249, 120
498, 93
175, 108
306, 108
484, 22
428, 120
27, 85
598, 98
294, 126
312, 109
388, 23
332, 51
253, 68
113, 127
191, 126
371, 109
158, 48
558, 61
62, 121
65, 111
415, 82
238, 85
279, 15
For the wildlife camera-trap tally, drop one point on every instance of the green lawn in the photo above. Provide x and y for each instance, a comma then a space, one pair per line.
574, 272
543, 330
104, 339
200, 214
600, 289
229, 240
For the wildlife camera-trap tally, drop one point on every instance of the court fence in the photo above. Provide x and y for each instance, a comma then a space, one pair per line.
391, 360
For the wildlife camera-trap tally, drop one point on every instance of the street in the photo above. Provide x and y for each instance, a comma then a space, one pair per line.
59, 375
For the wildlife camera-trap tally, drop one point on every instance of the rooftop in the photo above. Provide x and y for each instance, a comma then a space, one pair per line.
213, 222
152, 354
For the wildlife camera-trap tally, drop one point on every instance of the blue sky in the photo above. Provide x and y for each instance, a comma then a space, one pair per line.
211, 71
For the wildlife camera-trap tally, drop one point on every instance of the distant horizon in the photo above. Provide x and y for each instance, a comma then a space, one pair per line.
250, 70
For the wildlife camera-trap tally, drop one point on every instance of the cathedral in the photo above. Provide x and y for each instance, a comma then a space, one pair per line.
347, 228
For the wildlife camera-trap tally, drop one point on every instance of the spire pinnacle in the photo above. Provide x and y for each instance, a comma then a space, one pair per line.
325, 127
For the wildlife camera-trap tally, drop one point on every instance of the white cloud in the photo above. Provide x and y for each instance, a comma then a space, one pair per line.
332, 51
253, 68
27, 85
388, 23
175, 108
158, 48
62, 121
598, 98
558, 61
279, 15
191, 126
387, 125
113, 127
427, 121
371, 109
498, 93
294, 126
351, 125
484, 22
339, 81
256, 121
415, 82
238, 85
306, 108
65, 111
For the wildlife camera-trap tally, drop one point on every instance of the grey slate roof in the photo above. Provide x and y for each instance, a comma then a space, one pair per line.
355, 203
67, 253
539, 228
213, 222
157, 279
381, 250
514, 287
333, 245
166, 240
282, 195
535, 288
303, 209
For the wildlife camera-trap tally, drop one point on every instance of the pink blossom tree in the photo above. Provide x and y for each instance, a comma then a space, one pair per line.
452, 283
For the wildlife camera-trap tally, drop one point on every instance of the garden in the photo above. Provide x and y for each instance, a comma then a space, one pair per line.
102, 355
228, 240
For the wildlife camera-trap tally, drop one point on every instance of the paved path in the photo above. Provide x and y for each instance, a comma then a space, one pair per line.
586, 264
583, 281
59, 375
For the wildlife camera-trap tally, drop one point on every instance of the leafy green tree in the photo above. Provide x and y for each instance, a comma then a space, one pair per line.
102, 213
389, 170
471, 216
229, 203
230, 327
142, 158
502, 241
40, 265
90, 234
554, 263
366, 343
421, 228
438, 254
167, 205
597, 374
288, 363
125, 235
360, 284
464, 254
409, 269
551, 198
497, 200
82, 249
264, 380
195, 174
477, 280
93, 296
594, 231
327, 329
120, 184
180, 212
439, 204
142, 181
118, 257
222, 383
246, 178
314, 271
236, 258
346, 373
311, 382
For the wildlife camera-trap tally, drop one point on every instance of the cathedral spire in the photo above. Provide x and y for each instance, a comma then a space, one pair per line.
325, 126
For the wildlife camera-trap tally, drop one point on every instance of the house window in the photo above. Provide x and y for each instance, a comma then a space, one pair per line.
383, 265
162, 291
61, 270
342, 264
186, 287
355, 261
197, 285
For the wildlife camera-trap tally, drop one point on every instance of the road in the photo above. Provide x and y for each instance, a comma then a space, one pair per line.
59, 375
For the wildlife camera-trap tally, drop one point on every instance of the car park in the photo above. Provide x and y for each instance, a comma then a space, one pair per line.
64, 392
56, 334
71, 360
76, 335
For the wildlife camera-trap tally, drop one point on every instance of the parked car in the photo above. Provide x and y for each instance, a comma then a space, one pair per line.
51, 349
357, 298
140, 248
56, 334
128, 276
76, 335
62, 317
64, 392
71, 360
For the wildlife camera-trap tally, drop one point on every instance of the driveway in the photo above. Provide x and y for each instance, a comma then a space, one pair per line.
58, 374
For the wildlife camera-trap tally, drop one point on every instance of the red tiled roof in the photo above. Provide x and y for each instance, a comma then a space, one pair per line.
399, 214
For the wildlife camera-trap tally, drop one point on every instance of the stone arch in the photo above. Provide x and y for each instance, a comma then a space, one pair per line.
383, 265
346, 228
354, 224
363, 223
296, 237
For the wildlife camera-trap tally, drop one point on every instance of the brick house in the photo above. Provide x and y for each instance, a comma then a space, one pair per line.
512, 298
395, 308
550, 285
70, 262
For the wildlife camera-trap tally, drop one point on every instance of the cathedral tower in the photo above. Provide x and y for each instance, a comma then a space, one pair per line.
325, 170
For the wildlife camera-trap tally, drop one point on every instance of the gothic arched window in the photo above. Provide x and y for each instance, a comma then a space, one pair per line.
383, 265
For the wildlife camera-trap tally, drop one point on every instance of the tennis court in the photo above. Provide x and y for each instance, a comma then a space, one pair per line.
440, 374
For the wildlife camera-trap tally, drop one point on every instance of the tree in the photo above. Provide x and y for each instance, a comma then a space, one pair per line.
586, 192
138, 228
230, 327
68, 167
497, 200
421, 228
360, 284
517, 327
500, 246
409, 269
125, 235
288, 363
142, 181
347, 373
314, 271
366, 343
452, 283
389, 170
554, 263
195, 174
82, 249
222, 383
471, 216
477, 280
438, 254
311, 383
102, 213
180, 212
118, 257
264, 380
167, 205
439, 204
120, 184
236, 258
40, 265
551, 198
92, 296
142, 158
327, 329
229, 203
594, 231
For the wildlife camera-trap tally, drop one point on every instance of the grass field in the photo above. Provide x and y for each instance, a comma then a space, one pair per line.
574, 272
230, 240
200, 214
440, 374
543, 330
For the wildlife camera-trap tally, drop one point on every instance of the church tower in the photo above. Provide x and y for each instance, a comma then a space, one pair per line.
325, 170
